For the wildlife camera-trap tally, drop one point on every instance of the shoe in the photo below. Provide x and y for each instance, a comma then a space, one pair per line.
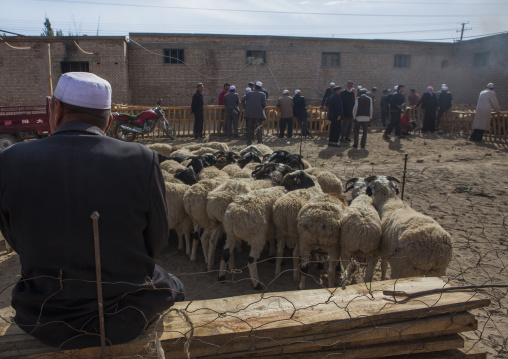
348, 139
385, 136
355, 146
290, 136
363, 147
280, 136
342, 140
333, 144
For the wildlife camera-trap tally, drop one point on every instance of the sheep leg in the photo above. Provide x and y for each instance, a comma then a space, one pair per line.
369, 272
319, 259
304, 267
226, 255
204, 244
253, 272
180, 240
188, 248
331, 271
296, 262
280, 252
272, 251
214, 238
347, 273
384, 268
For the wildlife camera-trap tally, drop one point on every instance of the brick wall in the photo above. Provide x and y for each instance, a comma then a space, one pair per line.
24, 73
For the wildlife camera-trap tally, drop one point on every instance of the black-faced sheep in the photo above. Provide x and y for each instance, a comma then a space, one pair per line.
413, 243
225, 158
187, 176
248, 158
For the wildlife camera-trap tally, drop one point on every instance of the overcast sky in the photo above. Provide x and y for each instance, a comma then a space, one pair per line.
418, 20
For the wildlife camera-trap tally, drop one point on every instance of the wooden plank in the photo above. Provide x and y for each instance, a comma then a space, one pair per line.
264, 346
468, 352
423, 346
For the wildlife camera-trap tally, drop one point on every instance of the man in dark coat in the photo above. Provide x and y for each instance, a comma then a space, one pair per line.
384, 107
328, 93
300, 112
335, 114
56, 184
254, 113
445, 99
348, 102
198, 109
397, 102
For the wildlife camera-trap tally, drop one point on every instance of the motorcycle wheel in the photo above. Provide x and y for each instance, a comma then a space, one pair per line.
122, 135
169, 130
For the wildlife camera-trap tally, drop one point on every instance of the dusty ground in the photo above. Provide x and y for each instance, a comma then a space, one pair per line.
462, 185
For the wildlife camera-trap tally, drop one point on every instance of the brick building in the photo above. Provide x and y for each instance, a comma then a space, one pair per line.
147, 67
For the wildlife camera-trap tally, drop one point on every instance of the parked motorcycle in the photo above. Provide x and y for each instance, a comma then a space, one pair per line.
127, 127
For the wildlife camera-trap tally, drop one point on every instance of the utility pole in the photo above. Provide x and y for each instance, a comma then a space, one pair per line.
463, 29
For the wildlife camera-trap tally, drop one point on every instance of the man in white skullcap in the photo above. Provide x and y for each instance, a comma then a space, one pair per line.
285, 106
85, 193
328, 93
232, 101
444, 98
487, 101
254, 113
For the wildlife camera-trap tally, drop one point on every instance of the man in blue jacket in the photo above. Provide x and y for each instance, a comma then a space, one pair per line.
56, 184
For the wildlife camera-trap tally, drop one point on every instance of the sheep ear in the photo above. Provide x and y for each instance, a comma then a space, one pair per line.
349, 188
369, 191
396, 189
370, 178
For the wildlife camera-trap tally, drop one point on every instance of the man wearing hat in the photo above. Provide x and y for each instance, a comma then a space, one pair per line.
362, 112
335, 114
198, 109
487, 101
254, 113
222, 93
300, 112
347, 97
327, 95
90, 200
445, 98
231, 101
285, 105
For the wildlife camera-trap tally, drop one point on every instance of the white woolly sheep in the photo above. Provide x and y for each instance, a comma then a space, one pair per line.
249, 218
171, 166
285, 219
163, 148
360, 232
413, 243
319, 227
177, 217
234, 171
329, 182
214, 146
212, 172
181, 155
259, 149
194, 202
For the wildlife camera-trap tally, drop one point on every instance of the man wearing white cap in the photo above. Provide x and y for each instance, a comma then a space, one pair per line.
231, 101
300, 112
445, 99
254, 113
285, 106
487, 101
57, 183
328, 93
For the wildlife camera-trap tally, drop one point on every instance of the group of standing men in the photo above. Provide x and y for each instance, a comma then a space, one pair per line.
344, 107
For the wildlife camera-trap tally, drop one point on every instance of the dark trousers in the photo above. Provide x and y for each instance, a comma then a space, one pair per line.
335, 128
282, 126
429, 121
477, 135
254, 125
439, 115
302, 121
364, 126
394, 123
198, 123
231, 119
347, 124
384, 116
178, 289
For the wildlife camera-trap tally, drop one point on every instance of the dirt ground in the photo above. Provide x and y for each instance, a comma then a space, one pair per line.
464, 186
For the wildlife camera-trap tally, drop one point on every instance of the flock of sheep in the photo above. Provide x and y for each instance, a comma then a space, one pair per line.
276, 199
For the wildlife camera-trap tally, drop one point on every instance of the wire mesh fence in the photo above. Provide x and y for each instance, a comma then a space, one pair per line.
460, 185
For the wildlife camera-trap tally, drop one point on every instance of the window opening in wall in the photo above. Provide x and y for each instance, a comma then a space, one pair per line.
402, 61
330, 59
256, 57
174, 56
74, 66
481, 59
444, 64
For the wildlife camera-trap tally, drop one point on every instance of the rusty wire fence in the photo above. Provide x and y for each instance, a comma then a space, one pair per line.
230, 319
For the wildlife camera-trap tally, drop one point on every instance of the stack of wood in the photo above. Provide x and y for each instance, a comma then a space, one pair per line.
359, 322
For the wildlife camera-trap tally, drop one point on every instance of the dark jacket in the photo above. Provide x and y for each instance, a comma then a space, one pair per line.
327, 95
348, 102
265, 92
397, 99
299, 106
197, 106
55, 184
445, 100
255, 103
384, 103
231, 101
335, 107
428, 102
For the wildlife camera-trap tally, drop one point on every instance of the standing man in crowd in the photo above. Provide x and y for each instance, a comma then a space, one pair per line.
487, 101
254, 113
251, 86
413, 98
285, 105
372, 95
335, 114
445, 99
362, 112
231, 101
222, 93
300, 112
348, 102
383, 103
263, 90
327, 95
198, 109
77, 170
397, 103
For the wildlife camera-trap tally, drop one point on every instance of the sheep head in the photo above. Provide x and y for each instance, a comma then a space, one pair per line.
382, 186
187, 176
296, 180
248, 158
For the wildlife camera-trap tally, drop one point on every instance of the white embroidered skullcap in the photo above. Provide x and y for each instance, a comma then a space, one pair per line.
490, 85
248, 89
232, 88
259, 84
332, 84
84, 89
285, 92
297, 91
